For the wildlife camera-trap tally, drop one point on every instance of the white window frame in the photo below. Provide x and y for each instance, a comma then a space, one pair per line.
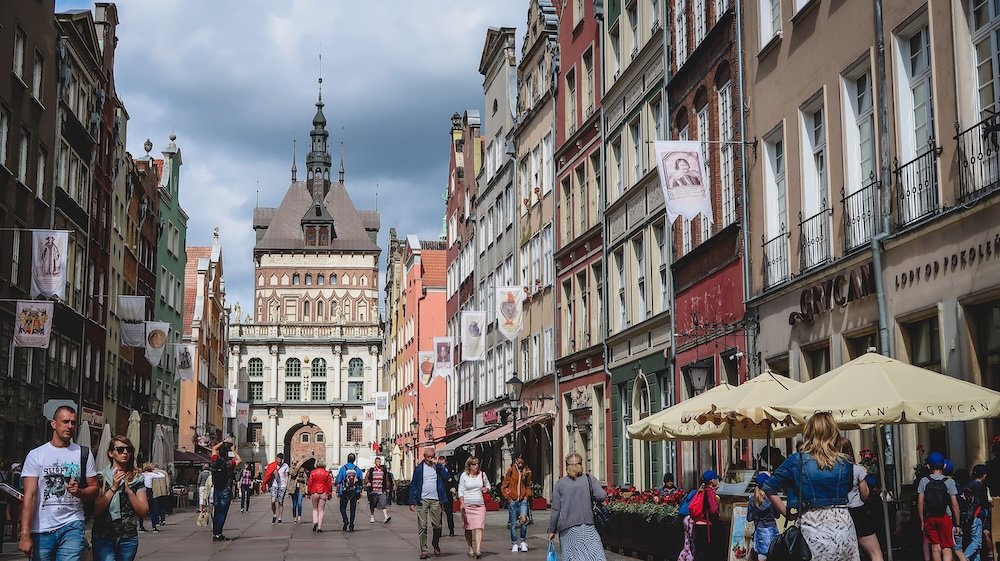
770, 21
680, 32
700, 21
727, 160
909, 84
815, 162
638, 250
20, 51
859, 116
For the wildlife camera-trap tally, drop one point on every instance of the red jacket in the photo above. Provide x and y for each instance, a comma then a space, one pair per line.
320, 481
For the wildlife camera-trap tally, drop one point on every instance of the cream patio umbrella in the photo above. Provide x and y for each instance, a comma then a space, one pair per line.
749, 404
134, 431
673, 424
83, 434
101, 459
158, 454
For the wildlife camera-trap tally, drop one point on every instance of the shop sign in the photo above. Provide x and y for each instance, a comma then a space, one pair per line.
491, 416
93, 416
834, 292
949, 263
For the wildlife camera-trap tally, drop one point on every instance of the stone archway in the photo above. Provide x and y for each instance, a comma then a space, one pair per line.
305, 443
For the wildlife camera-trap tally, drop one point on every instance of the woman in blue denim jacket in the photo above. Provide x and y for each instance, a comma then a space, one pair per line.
825, 476
763, 514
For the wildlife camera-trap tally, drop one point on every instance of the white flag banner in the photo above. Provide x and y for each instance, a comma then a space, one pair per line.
510, 315
473, 336
425, 360
33, 324
443, 363
229, 402
156, 340
132, 313
684, 179
369, 417
242, 414
48, 263
184, 358
381, 406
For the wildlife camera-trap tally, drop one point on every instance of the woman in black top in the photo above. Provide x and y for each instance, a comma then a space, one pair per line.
121, 503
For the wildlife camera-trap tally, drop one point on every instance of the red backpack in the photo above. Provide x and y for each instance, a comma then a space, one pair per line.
699, 509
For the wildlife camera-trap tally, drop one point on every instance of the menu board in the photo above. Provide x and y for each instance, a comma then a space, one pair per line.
739, 543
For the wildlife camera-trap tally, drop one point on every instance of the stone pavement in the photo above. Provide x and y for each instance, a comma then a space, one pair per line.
256, 539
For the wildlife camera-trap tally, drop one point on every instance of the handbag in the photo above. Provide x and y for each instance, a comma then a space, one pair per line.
602, 516
202, 519
553, 553
791, 544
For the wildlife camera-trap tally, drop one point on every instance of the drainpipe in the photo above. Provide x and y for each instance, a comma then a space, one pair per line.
749, 335
557, 429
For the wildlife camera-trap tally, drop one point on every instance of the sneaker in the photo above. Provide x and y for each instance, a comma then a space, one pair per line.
221, 538
387, 519
351, 529
345, 527
524, 546
156, 530
279, 521
373, 519
274, 520
513, 548
314, 527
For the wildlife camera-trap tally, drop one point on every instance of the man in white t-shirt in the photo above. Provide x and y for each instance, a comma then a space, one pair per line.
279, 487
54, 491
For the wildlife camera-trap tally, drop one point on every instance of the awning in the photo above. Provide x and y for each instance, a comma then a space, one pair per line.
184, 458
449, 448
503, 430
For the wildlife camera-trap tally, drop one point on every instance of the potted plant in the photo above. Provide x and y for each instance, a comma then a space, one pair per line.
538, 502
492, 499
644, 523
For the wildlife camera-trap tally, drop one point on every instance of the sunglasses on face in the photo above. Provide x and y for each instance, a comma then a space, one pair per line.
121, 449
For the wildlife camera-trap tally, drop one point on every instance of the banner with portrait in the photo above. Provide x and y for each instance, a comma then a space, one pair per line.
443, 363
229, 402
156, 340
684, 179
184, 359
381, 406
473, 336
425, 366
132, 313
48, 263
33, 324
510, 315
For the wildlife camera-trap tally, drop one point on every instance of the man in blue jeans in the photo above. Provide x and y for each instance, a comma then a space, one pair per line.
224, 461
349, 490
58, 477
516, 488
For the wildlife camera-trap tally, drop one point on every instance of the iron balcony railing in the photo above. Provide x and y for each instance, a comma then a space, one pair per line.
814, 238
979, 158
776, 259
917, 186
860, 212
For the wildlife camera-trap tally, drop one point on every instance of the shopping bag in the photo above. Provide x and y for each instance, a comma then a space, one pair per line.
553, 554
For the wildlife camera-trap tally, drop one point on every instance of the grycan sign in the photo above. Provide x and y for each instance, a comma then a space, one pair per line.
835, 292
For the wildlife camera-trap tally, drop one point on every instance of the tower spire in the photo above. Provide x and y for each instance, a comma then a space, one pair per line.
293, 160
318, 159
341, 154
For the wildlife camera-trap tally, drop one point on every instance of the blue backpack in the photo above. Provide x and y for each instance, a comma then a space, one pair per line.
685, 508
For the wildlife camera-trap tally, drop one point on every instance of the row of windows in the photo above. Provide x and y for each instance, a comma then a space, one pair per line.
22, 167
535, 174
538, 355
581, 309
632, 30
297, 280
580, 200
349, 312
293, 367
537, 263
317, 391
637, 270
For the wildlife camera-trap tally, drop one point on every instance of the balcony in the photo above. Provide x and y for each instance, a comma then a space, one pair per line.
860, 211
916, 190
979, 158
302, 330
814, 238
776, 259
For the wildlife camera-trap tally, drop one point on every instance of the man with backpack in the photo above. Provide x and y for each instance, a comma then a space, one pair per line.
516, 488
349, 490
935, 495
276, 481
59, 477
223, 464
704, 510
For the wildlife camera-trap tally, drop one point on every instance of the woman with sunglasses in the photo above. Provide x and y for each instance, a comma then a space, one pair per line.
471, 486
121, 503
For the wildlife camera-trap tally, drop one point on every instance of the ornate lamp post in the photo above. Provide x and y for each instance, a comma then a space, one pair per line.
514, 386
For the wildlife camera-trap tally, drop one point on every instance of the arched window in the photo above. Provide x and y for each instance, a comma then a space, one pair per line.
347, 310
309, 279
320, 437
304, 438
362, 311
293, 368
319, 367
295, 279
255, 368
319, 309
305, 309
333, 278
364, 281
356, 367
320, 279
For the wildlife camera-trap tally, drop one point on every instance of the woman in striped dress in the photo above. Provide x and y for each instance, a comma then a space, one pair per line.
572, 515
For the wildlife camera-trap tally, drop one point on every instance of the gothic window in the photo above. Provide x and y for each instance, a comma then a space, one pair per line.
293, 368
295, 279
319, 309
347, 310
309, 279
255, 368
356, 367
333, 278
320, 280
305, 309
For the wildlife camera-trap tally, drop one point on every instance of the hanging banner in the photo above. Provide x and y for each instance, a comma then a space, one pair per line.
473, 336
33, 324
683, 179
369, 417
242, 414
48, 263
132, 313
443, 364
510, 315
425, 363
156, 340
381, 406
229, 399
184, 358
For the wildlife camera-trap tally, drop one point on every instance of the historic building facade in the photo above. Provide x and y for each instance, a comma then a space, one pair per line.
311, 352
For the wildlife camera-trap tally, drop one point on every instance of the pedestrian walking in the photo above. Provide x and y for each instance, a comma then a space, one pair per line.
52, 517
224, 461
246, 488
704, 512
452, 486
823, 517
936, 494
865, 520
297, 486
349, 490
572, 516
428, 495
204, 476
161, 493
122, 500
378, 481
764, 516
471, 486
149, 475
516, 488
320, 488
276, 480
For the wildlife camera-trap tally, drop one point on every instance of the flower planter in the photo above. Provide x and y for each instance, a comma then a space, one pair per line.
633, 535
539, 503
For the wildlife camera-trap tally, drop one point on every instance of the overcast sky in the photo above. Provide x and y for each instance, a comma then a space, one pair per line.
236, 81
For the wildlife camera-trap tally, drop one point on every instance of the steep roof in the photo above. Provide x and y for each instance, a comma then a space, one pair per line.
194, 258
283, 225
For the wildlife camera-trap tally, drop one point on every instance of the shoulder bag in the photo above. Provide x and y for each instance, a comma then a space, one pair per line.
602, 516
791, 544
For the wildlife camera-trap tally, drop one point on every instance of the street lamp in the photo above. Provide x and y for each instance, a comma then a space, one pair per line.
514, 387
428, 432
414, 427
697, 374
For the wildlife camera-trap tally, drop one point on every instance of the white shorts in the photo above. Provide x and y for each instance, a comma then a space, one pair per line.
278, 493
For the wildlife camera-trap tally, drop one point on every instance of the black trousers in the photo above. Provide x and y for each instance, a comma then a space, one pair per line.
701, 541
449, 513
